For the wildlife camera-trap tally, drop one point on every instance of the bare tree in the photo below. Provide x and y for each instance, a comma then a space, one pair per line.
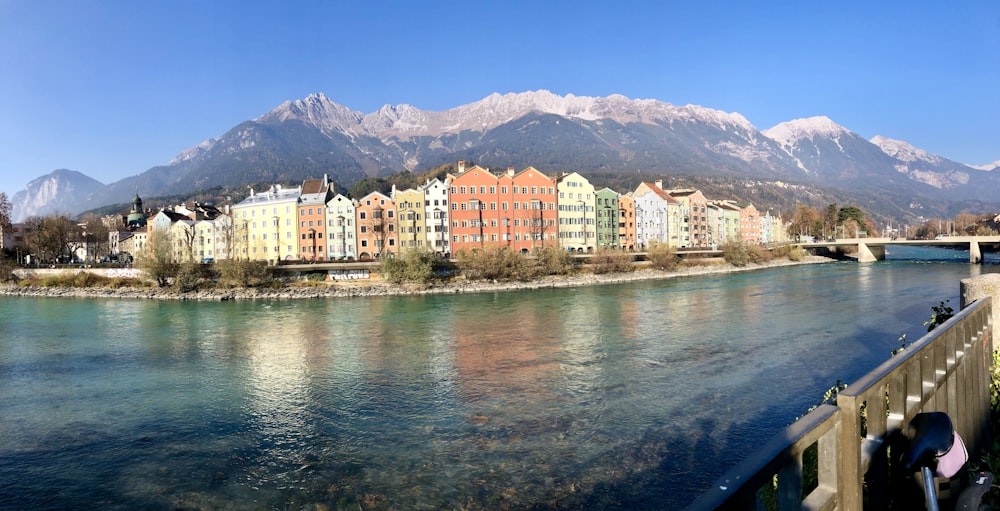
156, 258
96, 234
52, 237
185, 241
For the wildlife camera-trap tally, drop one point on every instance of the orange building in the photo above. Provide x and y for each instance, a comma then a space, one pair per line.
749, 224
312, 218
626, 222
528, 210
514, 209
471, 194
375, 215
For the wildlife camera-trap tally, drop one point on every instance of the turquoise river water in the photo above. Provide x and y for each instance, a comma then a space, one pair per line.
631, 396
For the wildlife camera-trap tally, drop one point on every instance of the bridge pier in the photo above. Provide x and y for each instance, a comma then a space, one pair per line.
868, 254
975, 255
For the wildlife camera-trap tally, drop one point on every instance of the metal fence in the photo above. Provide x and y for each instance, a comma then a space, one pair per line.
946, 370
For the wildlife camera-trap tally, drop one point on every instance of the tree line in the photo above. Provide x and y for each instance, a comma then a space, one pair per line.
851, 221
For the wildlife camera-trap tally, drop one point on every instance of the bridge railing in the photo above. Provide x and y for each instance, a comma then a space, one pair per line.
946, 370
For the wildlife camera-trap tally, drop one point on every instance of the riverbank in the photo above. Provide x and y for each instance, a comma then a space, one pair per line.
378, 287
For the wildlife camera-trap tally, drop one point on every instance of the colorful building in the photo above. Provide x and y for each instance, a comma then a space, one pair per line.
312, 219
377, 226
436, 216
724, 222
268, 225
577, 215
411, 217
527, 213
606, 212
626, 222
694, 202
658, 217
471, 191
749, 224
341, 238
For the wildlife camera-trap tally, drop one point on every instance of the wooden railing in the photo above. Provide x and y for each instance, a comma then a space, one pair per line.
946, 370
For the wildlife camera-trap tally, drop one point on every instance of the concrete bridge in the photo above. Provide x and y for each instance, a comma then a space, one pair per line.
873, 249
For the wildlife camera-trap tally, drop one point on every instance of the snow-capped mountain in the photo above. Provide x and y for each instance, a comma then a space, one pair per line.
829, 151
988, 167
491, 112
313, 136
924, 167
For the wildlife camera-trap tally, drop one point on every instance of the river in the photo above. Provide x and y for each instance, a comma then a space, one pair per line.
622, 396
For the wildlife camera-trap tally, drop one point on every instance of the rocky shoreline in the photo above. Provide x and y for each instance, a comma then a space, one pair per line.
380, 288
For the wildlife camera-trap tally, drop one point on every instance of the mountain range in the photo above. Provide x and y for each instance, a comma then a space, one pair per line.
314, 136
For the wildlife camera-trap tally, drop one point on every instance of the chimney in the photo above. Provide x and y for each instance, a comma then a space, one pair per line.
461, 166
510, 171
659, 184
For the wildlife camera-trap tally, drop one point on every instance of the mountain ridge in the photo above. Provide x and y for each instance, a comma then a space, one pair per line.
300, 139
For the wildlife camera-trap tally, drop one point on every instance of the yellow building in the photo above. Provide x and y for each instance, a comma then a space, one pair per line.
267, 223
412, 218
577, 214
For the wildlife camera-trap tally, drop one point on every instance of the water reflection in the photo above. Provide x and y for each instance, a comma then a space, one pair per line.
625, 396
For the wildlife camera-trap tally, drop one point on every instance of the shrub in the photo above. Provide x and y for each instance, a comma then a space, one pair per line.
790, 252
662, 256
188, 276
243, 273
552, 261
611, 261
494, 263
411, 266
6, 270
740, 253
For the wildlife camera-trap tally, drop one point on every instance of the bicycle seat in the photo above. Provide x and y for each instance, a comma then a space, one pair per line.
933, 445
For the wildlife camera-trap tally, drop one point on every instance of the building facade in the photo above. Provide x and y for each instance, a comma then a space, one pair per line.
312, 225
377, 226
436, 216
412, 218
268, 223
341, 228
606, 213
577, 215
626, 222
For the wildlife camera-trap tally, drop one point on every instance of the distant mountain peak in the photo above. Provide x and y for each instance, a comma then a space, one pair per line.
903, 151
790, 132
988, 167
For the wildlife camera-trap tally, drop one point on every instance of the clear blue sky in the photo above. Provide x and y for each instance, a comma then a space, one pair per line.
112, 88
